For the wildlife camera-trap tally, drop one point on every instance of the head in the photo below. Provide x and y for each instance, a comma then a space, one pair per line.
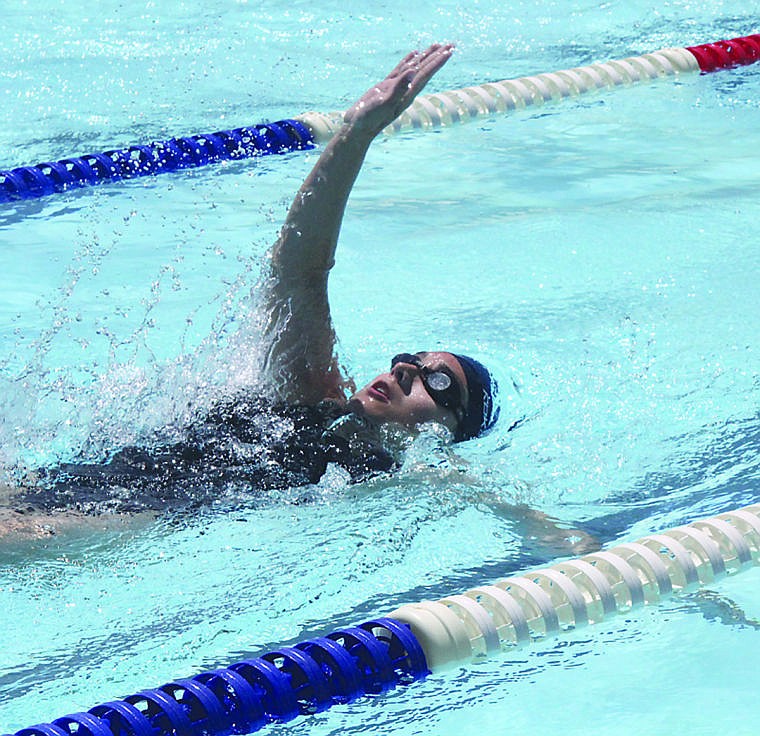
453, 390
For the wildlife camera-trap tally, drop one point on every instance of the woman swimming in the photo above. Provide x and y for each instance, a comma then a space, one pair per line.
289, 434
306, 420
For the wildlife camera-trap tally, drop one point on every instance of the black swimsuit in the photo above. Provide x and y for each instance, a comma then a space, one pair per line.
246, 444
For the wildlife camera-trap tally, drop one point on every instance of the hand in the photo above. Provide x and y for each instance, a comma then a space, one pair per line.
383, 103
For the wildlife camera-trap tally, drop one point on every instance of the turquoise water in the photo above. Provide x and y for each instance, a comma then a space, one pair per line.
601, 253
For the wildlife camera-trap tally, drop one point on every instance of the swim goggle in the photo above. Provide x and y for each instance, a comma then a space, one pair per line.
440, 383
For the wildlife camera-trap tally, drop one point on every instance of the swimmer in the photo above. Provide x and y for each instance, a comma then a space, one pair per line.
453, 390
289, 439
241, 440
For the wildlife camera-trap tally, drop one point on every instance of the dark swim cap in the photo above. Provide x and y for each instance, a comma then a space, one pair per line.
481, 412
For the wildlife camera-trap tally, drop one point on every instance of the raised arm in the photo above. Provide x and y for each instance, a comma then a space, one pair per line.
301, 358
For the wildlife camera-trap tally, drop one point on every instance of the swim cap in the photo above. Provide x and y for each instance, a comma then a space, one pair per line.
481, 413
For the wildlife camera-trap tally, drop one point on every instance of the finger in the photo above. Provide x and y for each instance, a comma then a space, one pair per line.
413, 60
403, 65
429, 67
429, 62
433, 50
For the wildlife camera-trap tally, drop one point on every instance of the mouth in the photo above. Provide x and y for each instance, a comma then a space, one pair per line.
380, 391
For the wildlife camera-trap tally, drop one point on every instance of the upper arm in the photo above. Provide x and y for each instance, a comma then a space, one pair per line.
299, 359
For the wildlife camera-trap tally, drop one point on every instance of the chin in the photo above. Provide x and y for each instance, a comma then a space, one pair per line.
373, 411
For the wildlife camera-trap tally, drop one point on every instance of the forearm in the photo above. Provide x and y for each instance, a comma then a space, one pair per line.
306, 246
307, 242
541, 532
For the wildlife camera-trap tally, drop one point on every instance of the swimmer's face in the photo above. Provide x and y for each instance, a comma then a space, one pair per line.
407, 394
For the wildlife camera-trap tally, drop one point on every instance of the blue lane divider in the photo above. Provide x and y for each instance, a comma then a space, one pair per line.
29, 182
275, 687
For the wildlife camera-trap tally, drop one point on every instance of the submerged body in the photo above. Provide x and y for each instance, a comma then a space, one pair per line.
243, 445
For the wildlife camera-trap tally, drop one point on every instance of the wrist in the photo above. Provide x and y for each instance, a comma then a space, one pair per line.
353, 138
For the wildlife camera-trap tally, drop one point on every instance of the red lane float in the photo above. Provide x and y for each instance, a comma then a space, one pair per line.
726, 54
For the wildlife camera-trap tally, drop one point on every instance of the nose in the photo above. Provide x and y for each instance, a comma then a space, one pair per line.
404, 374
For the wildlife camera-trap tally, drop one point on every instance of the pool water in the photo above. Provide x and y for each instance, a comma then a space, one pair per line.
601, 253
